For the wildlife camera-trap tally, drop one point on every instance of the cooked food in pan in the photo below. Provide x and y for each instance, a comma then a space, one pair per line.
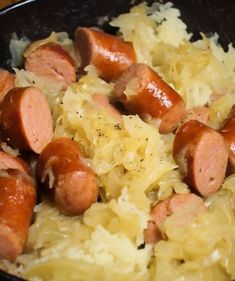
117, 154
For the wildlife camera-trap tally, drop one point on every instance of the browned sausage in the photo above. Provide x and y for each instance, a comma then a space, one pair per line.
53, 62
109, 54
6, 83
17, 200
103, 101
150, 95
168, 207
25, 119
202, 156
9, 162
228, 132
73, 183
199, 113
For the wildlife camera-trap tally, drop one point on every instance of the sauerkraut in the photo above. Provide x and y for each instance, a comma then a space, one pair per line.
134, 166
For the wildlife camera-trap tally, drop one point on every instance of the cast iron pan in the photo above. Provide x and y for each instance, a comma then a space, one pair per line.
37, 18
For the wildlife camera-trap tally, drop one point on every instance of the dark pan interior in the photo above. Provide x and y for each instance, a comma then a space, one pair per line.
37, 18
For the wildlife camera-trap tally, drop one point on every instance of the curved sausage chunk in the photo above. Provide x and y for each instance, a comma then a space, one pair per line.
142, 91
103, 101
25, 119
72, 182
109, 54
199, 113
228, 132
53, 62
9, 162
6, 83
161, 211
17, 201
202, 156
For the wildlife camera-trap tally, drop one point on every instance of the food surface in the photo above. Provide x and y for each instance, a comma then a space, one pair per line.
17, 200
129, 136
109, 54
142, 91
202, 156
25, 119
60, 167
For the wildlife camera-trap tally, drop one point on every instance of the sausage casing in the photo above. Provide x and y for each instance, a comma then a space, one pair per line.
109, 54
53, 62
17, 201
150, 95
202, 156
72, 182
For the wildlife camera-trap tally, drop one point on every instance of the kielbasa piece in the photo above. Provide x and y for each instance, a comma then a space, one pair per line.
17, 201
103, 102
6, 83
25, 119
7, 161
152, 233
109, 54
53, 62
199, 113
202, 156
142, 91
228, 132
161, 211
73, 184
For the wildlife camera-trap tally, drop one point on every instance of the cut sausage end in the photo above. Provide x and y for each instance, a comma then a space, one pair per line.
152, 234
202, 156
103, 101
132, 82
192, 204
208, 166
53, 62
9, 162
36, 119
26, 120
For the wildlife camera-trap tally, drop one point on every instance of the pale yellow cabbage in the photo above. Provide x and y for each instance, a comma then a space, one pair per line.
103, 244
205, 248
201, 72
129, 154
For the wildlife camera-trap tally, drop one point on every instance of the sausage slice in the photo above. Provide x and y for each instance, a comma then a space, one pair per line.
73, 184
109, 54
25, 119
9, 162
103, 101
150, 95
202, 156
53, 62
161, 211
17, 201
6, 83
228, 132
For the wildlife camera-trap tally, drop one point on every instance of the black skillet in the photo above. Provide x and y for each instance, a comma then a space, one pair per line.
37, 18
